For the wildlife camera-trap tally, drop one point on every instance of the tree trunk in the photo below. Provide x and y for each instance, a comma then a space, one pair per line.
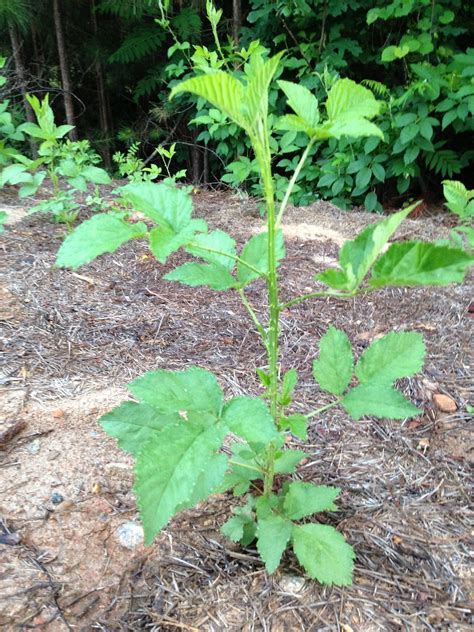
20, 71
236, 19
63, 65
102, 97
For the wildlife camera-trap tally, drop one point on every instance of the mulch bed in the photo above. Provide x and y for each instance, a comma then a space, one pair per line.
406, 486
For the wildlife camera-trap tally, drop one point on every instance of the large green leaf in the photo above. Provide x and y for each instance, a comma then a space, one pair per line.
171, 209
100, 234
168, 468
273, 535
396, 355
302, 101
255, 253
378, 400
96, 175
164, 239
349, 106
250, 418
193, 389
420, 263
221, 89
164, 204
305, 499
194, 274
219, 241
357, 256
134, 424
255, 101
333, 369
324, 553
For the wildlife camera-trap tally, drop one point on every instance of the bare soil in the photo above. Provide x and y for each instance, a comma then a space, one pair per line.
72, 341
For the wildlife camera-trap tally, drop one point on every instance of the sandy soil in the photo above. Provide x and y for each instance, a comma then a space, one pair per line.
71, 342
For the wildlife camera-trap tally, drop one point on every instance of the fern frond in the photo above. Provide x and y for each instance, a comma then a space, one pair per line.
138, 44
444, 161
378, 88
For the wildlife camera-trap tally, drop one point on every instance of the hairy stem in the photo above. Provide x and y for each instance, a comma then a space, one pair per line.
262, 152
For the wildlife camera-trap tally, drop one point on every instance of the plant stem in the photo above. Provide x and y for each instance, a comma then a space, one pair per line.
254, 317
313, 413
262, 152
292, 182
227, 254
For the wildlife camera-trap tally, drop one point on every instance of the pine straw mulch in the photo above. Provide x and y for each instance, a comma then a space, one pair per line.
406, 486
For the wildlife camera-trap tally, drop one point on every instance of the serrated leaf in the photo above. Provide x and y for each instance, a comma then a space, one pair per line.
305, 499
420, 263
290, 379
240, 528
168, 206
302, 102
324, 553
287, 460
255, 101
100, 234
297, 424
164, 239
357, 256
183, 452
96, 175
134, 424
273, 534
250, 418
192, 389
396, 355
195, 274
255, 253
217, 240
333, 369
219, 88
378, 400
349, 106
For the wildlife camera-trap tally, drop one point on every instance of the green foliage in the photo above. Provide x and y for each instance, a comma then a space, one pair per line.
178, 426
460, 201
60, 160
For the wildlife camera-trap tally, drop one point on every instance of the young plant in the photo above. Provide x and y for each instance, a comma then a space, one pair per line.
178, 421
460, 201
61, 161
134, 168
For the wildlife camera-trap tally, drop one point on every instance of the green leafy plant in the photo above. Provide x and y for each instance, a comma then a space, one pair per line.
134, 168
178, 421
460, 201
73, 163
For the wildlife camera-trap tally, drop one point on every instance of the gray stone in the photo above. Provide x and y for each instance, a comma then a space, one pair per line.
34, 446
292, 584
129, 535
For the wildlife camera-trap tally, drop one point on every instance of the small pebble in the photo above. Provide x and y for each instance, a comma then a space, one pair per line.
56, 498
34, 446
292, 584
444, 403
130, 535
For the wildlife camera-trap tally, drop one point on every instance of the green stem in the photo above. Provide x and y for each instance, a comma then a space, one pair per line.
254, 317
249, 467
263, 155
230, 256
292, 182
313, 413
